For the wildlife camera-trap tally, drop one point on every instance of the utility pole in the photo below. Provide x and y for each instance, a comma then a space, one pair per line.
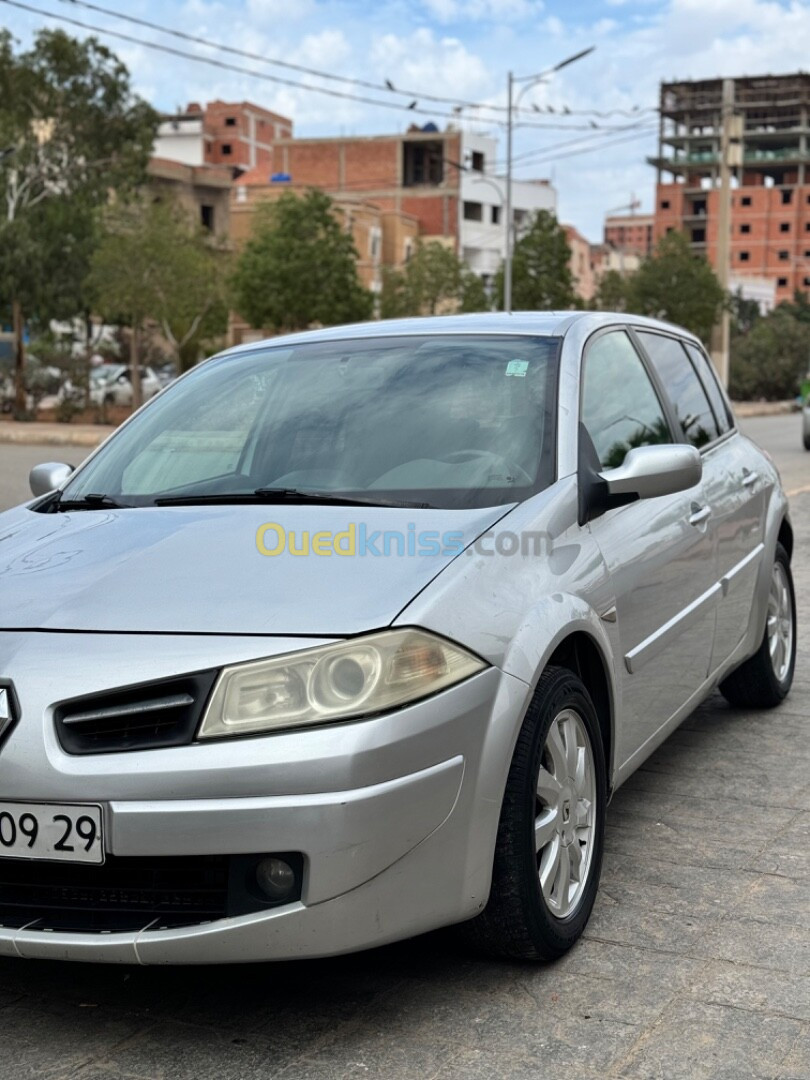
528, 81
730, 156
507, 266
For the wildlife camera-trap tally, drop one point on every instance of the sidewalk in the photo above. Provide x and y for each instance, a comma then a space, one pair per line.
51, 434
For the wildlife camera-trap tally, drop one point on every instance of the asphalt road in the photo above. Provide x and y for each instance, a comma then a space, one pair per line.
695, 964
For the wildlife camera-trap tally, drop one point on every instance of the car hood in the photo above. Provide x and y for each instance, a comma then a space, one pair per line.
198, 569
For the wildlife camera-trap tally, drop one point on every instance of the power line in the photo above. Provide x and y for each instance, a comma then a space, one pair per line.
345, 79
412, 108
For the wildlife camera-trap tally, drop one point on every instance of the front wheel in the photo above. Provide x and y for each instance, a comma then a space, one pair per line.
765, 679
548, 854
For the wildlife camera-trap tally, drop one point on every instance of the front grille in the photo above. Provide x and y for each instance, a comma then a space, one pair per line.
131, 892
164, 713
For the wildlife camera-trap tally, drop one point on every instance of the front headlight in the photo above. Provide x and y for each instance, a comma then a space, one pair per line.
334, 682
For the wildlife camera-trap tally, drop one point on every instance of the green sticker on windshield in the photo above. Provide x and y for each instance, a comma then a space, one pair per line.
517, 367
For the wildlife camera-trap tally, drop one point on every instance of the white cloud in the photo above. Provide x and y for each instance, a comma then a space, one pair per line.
452, 11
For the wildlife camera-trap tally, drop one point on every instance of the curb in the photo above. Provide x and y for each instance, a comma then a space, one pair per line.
746, 409
33, 434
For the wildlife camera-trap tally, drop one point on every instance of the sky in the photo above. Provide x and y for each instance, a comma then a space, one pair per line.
460, 50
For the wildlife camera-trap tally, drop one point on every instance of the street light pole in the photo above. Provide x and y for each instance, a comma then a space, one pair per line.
528, 82
507, 266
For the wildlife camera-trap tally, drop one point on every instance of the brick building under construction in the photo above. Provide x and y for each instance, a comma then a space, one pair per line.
770, 198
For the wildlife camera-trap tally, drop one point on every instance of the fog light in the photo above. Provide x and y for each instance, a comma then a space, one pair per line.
275, 878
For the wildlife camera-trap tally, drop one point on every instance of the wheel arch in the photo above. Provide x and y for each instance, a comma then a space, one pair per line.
785, 537
579, 652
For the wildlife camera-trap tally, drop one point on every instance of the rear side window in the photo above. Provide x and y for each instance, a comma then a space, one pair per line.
620, 407
683, 387
706, 372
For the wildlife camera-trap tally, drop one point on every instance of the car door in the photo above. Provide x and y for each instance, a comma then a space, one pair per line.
658, 552
738, 508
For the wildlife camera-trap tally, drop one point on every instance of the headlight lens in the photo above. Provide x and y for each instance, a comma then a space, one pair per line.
334, 682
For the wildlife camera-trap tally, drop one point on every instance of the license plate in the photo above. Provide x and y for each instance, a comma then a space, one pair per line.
51, 831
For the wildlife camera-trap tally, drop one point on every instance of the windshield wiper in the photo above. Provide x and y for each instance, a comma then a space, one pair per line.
91, 501
272, 496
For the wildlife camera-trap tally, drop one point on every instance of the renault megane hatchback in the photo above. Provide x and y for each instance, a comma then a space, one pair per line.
351, 634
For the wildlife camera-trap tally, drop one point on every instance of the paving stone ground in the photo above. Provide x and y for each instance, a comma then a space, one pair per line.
695, 965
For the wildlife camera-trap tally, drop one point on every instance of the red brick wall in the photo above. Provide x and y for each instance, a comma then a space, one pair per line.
762, 213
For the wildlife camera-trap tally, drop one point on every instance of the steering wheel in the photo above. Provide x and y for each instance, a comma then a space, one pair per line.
488, 455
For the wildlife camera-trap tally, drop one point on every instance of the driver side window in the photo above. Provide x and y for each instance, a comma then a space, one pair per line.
620, 407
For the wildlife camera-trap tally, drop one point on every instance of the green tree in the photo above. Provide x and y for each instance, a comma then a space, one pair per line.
541, 271
770, 361
678, 286
70, 130
473, 296
299, 268
611, 292
433, 281
799, 307
154, 265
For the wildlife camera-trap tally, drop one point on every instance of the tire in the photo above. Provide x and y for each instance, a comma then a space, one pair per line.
762, 682
520, 920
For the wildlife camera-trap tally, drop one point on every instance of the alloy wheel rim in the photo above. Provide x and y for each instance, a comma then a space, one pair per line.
565, 813
780, 623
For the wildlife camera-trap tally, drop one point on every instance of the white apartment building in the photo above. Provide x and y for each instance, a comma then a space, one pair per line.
482, 223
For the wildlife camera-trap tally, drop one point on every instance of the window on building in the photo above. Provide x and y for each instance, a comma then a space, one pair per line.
807, 226
781, 282
207, 217
473, 211
407, 249
230, 121
519, 218
422, 163
807, 281
784, 226
744, 256
745, 228
807, 253
226, 148
665, 204
374, 243
784, 256
477, 161
683, 386
698, 236
787, 196
496, 215
745, 200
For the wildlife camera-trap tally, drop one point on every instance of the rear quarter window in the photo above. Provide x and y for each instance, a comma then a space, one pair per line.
682, 386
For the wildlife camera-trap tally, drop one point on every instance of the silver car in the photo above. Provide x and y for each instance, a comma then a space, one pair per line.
351, 635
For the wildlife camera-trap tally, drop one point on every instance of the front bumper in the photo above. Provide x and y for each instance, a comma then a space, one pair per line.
396, 816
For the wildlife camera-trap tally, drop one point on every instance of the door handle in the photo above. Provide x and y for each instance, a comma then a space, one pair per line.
699, 514
749, 478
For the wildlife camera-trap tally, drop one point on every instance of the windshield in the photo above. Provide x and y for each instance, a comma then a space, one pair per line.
449, 421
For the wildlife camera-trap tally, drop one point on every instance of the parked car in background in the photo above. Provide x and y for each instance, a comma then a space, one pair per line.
111, 384
409, 601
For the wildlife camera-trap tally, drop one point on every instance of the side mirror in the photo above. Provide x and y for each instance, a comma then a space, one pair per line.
649, 471
48, 477
645, 473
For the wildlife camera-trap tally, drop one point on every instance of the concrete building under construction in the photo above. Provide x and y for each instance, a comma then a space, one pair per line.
768, 119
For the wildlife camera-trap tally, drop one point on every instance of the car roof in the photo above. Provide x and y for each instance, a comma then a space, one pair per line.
542, 323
